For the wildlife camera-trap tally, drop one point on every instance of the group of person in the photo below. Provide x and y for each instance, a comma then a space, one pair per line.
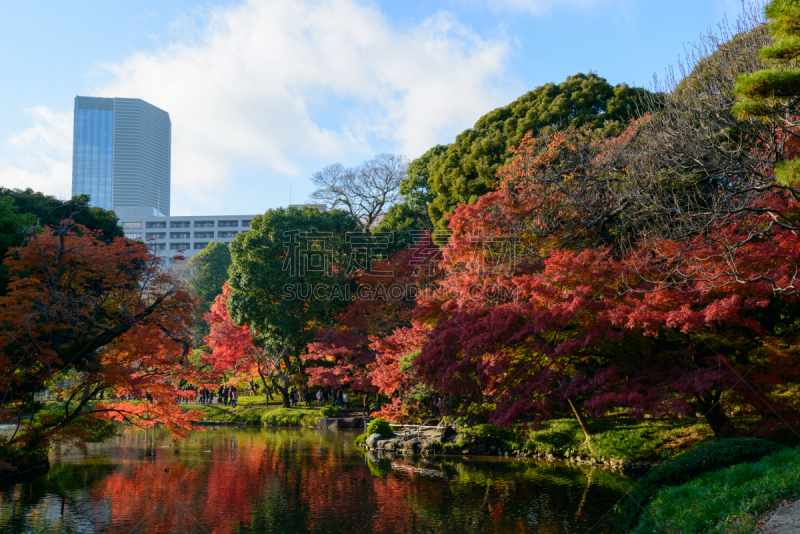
227, 395
333, 396
340, 398
337, 395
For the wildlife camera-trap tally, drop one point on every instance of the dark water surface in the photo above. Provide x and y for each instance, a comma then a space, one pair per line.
232, 480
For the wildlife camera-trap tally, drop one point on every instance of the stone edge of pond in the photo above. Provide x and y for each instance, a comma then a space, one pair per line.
405, 447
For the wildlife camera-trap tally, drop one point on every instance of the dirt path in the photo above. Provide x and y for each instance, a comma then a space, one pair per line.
785, 520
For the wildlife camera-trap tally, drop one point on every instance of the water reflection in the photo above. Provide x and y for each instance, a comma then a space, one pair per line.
290, 480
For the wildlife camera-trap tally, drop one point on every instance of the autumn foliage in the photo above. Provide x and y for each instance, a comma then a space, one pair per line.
83, 316
234, 351
546, 304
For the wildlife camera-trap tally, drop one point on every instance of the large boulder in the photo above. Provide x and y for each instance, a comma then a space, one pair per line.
373, 439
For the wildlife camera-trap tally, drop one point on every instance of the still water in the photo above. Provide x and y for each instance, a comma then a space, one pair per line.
277, 480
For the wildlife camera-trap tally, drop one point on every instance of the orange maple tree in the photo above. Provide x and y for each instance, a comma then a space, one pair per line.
82, 317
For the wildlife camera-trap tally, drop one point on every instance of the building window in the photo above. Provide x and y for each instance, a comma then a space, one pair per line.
229, 233
156, 235
134, 235
137, 224
200, 246
179, 224
227, 224
179, 235
179, 246
158, 246
204, 224
93, 154
204, 235
245, 224
157, 224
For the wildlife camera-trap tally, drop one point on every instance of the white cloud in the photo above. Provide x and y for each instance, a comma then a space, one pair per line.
260, 72
539, 7
40, 156
275, 66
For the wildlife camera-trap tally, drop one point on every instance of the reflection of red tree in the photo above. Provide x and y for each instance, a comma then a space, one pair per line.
334, 493
266, 481
217, 496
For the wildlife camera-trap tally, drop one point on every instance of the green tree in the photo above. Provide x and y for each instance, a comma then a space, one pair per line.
765, 94
211, 271
467, 169
288, 277
12, 229
50, 211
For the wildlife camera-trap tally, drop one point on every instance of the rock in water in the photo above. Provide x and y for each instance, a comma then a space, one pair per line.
373, 440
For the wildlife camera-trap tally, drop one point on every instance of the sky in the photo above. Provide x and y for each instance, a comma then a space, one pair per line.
262, 94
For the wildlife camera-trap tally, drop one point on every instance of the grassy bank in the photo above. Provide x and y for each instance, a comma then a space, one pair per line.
251, 410
258, 415
653, 440
728, 501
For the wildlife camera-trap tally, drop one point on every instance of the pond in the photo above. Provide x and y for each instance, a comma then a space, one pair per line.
281, 480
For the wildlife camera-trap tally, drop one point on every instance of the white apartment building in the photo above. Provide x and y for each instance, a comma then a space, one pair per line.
166, 235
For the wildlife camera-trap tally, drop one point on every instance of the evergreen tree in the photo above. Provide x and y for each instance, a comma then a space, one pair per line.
211, 271
467, 169
762, 94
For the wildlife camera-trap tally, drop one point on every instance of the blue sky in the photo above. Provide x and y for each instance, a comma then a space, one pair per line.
264, 94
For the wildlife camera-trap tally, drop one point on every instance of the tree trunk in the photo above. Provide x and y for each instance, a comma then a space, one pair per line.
264, 383
283, 390
582, 422
715, 416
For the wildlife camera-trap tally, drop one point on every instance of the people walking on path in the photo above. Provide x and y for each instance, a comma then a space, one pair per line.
234, 397
366, 405
345, 400
308, 398
325, 397
319, 398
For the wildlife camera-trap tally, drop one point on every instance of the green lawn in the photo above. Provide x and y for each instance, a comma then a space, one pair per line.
622, 438
728, 501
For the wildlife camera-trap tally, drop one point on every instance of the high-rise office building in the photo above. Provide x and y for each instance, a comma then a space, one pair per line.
121, 153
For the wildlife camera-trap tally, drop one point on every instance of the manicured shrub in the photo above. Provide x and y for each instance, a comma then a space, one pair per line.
379, 426
361, 439
487, 434
711, 457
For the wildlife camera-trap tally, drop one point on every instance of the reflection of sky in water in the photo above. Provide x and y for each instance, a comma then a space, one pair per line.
74, 512
297, 480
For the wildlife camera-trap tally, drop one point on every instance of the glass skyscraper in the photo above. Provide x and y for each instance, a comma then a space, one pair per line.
121, 153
